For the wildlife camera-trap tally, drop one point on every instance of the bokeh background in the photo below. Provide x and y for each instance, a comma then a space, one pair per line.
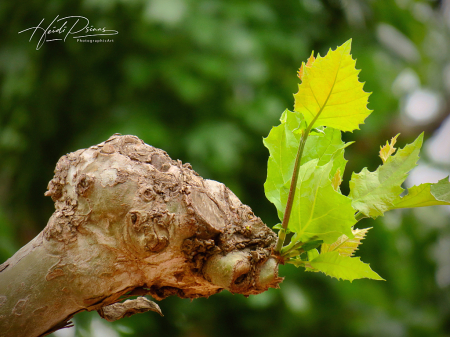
205, 80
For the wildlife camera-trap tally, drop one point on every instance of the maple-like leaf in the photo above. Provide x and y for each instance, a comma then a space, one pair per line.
310, 61
283, 141
343, 267
387, 150
331, 99
326, 147
373, 193
344, 245
330, 93
319, 211
312, 254
427, 194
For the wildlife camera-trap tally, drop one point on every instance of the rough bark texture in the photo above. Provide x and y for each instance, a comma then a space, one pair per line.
130, 221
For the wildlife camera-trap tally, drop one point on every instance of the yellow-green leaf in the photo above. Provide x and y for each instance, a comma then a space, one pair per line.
318, 211
374, 193
427, 194
330, 93
308, 64
336, 180
343, 267
387, 150
344, 245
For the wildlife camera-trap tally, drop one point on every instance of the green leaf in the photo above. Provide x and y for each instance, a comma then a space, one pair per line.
277, 226
325, 147
297, 248
311, 245
336, 181
310, 61
425, 195
312, 254
330, 93
387, 150
344, 245
441, 190
283, 145
374, 193
318, 210
343, 267
283, 141
280, 227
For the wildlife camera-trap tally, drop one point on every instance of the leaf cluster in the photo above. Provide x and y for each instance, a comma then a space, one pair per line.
306, 166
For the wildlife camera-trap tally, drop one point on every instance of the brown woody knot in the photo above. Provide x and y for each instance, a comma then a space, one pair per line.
84, 184
149, 230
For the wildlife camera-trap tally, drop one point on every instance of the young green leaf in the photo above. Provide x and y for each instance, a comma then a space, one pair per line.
336, 181
387, 150
310, 61
343, 267
312, 254
283, 141
318, 210
425, 195
325, 147
298, 247
344, 245
373, 193
308, 142
330, 93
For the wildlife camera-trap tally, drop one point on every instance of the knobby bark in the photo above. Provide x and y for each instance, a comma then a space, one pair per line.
131, 221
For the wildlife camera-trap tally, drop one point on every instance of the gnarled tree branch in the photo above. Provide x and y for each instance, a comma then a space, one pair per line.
129, 221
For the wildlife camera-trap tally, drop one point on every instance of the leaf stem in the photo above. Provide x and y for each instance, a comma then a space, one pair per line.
292, 245
290, 201
280, 241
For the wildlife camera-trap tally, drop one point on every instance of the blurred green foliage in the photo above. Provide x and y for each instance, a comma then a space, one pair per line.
205, 80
